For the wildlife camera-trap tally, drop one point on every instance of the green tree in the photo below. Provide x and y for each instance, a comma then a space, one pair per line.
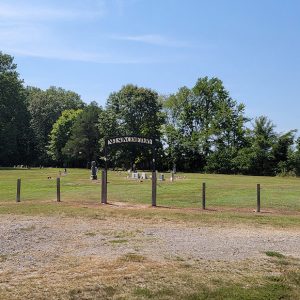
83, 144
257, 158
60, 134
282, 153
175, 131
45, 108
229, 136
15, 134
202, 121
295, 159
132, 111
263, 141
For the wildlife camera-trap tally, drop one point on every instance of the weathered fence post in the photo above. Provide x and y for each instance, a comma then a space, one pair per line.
154, 188
104, 186
18, 199
58, 189
258, 197
203, 195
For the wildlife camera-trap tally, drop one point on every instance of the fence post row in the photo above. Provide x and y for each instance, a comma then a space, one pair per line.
18, 199
154, 179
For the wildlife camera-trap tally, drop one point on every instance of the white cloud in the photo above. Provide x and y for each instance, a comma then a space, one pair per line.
153, 39
75, 55
29, 28
24, 11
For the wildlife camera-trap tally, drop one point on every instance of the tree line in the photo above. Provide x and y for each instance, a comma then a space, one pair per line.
195, 129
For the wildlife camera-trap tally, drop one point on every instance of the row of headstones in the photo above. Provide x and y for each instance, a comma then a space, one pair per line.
143, 175
21, 167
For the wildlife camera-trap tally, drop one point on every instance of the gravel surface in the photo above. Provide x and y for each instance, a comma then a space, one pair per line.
27, 242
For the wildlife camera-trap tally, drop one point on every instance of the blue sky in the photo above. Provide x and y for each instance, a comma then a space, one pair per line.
94, 47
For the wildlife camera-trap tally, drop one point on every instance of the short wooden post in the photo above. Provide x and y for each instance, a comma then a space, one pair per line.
154, 188
258, 197
18, 199
58, 189
104, 186
203, 195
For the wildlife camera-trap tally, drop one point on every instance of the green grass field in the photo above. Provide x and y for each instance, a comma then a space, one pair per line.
231, 201
229, 198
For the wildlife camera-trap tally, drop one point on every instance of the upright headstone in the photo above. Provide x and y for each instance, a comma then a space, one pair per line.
172, 176
94, 171
143, 176
161, 177
135, 175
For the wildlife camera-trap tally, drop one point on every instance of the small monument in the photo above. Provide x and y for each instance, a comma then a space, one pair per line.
172, 176
94, 171
135, 175
161, 177
144, 175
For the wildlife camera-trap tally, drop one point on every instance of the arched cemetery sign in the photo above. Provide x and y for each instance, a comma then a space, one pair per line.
128, 139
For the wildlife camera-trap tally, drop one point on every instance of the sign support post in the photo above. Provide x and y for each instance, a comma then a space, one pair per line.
154, 179
104, 179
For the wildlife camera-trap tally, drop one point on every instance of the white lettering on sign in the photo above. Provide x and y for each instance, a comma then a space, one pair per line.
129, 139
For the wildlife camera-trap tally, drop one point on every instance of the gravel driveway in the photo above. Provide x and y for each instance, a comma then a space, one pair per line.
37, 241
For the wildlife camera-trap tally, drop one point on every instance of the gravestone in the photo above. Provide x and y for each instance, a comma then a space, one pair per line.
161, 177
144, 176
94, 171
172, 176
135, 175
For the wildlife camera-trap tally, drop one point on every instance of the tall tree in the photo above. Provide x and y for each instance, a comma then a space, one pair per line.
282, 152
295, 159
83, 144
257, 158
15, 135
264, 138
60, 134
204, 119
133, 111
45, 108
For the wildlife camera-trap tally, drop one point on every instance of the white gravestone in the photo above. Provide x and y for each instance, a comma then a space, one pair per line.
161, 177
143, 176
135, 175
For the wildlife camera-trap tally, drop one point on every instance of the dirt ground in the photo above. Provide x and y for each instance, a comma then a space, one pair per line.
34, 250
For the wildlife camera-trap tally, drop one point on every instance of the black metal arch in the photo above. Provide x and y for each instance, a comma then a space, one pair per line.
129, 139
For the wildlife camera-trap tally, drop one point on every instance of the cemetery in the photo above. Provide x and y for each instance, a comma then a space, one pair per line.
149, 150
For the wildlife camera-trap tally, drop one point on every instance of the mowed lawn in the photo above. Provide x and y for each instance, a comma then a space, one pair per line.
125, 227
227, 193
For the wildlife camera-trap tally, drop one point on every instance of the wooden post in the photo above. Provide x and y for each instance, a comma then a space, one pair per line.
203, 195
104, 187
258, 197
58, 189
18, 199
154, 188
